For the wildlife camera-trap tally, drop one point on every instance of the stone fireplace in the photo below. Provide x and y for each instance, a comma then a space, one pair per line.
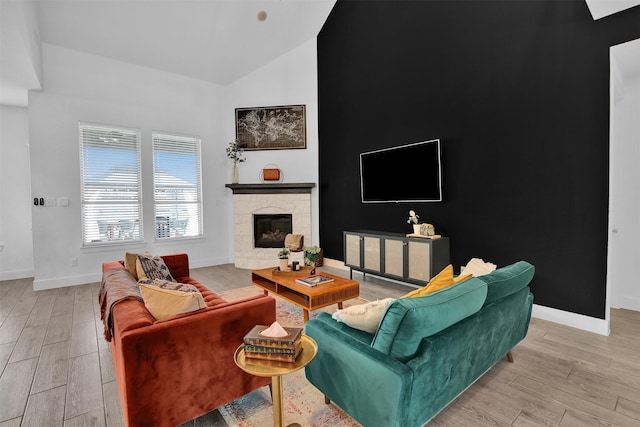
252, 201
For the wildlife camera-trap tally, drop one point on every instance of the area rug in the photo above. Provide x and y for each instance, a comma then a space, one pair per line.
302, 402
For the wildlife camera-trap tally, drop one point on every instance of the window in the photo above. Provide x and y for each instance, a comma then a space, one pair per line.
177, 186
110, 184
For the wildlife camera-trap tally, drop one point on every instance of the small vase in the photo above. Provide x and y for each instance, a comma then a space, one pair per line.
416, 228
284, 264
234, 176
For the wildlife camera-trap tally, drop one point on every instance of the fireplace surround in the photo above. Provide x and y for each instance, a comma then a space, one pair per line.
269, 230
250, 200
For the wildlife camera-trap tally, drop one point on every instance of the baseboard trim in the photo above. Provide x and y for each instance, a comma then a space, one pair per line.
574, 320
17, 274
334, 263
61, 282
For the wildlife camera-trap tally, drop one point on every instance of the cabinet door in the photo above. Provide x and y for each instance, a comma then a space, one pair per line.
352, 250
394, 257
419, 261
372, 253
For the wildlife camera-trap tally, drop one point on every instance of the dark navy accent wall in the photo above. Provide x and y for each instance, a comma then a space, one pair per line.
518, 93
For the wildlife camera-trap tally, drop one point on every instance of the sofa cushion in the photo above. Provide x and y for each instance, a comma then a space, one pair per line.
507, 280
440, 281
166, 299
364, 317
408, 320
152, 267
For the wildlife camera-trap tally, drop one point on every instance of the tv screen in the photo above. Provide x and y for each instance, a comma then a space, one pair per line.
407, 173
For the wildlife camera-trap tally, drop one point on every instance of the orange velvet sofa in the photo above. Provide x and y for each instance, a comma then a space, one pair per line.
174, 370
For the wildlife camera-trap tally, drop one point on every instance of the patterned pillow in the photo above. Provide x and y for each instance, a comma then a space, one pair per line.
166, 284
152, 267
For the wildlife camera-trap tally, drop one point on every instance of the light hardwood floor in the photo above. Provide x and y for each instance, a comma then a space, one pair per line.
56, 368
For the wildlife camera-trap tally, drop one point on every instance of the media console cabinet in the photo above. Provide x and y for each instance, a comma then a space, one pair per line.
394, 255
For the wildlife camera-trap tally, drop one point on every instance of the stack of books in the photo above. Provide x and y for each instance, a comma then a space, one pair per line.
283, 349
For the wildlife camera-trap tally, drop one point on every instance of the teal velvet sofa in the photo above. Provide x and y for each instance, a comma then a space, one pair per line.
426, 351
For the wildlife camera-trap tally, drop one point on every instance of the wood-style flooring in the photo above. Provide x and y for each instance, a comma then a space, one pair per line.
56, 368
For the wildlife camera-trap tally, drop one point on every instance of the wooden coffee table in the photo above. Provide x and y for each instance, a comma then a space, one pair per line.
306, 297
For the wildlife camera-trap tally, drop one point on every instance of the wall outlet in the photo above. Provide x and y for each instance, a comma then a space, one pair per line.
50, 202
73, 262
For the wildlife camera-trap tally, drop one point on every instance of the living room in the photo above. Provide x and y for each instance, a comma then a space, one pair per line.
552, 185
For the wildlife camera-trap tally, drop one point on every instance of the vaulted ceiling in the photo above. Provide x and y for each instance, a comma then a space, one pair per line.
213, 40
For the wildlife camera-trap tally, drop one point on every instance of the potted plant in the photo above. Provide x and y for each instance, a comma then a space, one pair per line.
311, 255
414, 220
235, 153
283, 256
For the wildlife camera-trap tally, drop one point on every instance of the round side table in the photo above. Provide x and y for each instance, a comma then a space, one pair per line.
275, 369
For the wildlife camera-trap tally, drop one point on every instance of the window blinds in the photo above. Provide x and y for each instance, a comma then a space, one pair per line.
111, 184
177, 186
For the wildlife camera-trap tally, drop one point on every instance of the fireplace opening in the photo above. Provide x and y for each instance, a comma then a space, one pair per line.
270, 230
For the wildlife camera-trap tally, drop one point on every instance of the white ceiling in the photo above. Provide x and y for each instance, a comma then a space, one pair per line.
218, 41
213, 40
601, 8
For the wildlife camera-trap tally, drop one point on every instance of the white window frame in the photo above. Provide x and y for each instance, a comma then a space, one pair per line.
110, 188
177, 199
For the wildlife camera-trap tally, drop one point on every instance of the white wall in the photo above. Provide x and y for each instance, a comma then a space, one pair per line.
624, 207
289, 80
16, 246
88, 88
82, 87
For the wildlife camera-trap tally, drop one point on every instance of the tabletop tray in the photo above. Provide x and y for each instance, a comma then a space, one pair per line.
304, 271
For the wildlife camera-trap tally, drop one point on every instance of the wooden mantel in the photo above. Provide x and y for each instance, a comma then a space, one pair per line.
279, 188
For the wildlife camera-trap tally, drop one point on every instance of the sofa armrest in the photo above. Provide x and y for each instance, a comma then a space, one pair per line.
185, 365
371, 386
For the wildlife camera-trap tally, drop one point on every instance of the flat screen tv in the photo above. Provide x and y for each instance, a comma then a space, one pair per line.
406, 173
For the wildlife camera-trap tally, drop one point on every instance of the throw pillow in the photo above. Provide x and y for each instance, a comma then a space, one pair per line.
166, 299
365, 317
440, 281
130, 263
152, 267
477, 267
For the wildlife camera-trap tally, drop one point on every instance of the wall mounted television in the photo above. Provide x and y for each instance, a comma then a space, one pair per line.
406, 173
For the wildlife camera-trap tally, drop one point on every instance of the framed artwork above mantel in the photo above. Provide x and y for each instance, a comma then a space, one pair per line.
271, 128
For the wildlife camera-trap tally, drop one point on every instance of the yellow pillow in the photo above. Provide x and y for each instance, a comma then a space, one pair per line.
165, 303
440, 281
130, 263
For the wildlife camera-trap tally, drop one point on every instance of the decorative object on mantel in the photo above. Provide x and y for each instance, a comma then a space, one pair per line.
271, 128
235, 152
283, 256
271, 173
